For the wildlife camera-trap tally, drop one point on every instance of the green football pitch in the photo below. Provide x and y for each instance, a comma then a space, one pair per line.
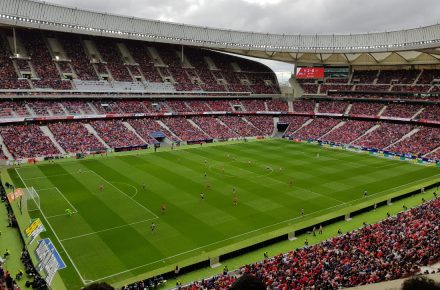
109, 237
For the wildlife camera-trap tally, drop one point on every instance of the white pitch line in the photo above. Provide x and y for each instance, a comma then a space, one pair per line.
106, 230
243, 234
49, 176
56, 236
148, 210
44, 189
137, 191
320, 194
65, 198
211, 244
58, 215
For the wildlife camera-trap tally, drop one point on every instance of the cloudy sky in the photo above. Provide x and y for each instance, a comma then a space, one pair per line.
278, 16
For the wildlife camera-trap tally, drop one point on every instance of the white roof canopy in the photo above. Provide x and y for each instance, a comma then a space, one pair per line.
412, 46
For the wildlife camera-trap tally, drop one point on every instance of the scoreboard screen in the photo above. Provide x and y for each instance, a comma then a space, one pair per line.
310, 73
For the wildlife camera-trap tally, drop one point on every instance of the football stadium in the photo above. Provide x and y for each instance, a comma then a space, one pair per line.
145, 154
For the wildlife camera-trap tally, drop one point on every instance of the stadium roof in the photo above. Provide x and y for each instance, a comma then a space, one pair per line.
403, 47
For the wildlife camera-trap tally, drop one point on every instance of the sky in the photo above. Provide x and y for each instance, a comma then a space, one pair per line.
278, 16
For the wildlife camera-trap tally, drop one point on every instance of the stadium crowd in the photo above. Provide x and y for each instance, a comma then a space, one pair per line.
73, 137
316, 129
116, 134
27, 141
348, 132
183, 129
242, 127
383, 136
214, 128
394, 248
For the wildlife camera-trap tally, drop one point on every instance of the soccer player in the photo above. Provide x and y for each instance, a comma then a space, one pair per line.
422, 190
235, 200
202, 195
80, 171
320, 229
365, 193
143, 185
375, 206
101, 187
302, 212
153, 227
317, 155
234, 190
163, 208
314, 231
290, 182
206, 174
249, 162
206, 162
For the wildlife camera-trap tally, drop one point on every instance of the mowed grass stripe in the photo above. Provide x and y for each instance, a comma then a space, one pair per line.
191, 226
110, 174
108, 247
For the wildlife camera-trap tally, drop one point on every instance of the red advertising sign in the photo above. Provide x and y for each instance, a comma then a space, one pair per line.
310, 73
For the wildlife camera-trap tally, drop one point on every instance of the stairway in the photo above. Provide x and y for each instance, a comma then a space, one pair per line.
412, 132
316, 110
366, 133
297, 89
48, 133
266, 108
382, 110
94, 133
290, 103
129, 127
167, 129
340, 124
250, 124
30, 110
302, 126
433, 151
5, 149
275, 129
64, 109
418, 113
197, 126
347, 111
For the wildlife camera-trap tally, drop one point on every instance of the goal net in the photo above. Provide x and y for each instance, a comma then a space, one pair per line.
31, 200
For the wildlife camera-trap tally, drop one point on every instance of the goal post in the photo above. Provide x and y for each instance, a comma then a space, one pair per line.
31, 200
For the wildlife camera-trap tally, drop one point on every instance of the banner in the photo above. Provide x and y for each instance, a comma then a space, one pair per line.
16, 194
49, 259
34, 229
